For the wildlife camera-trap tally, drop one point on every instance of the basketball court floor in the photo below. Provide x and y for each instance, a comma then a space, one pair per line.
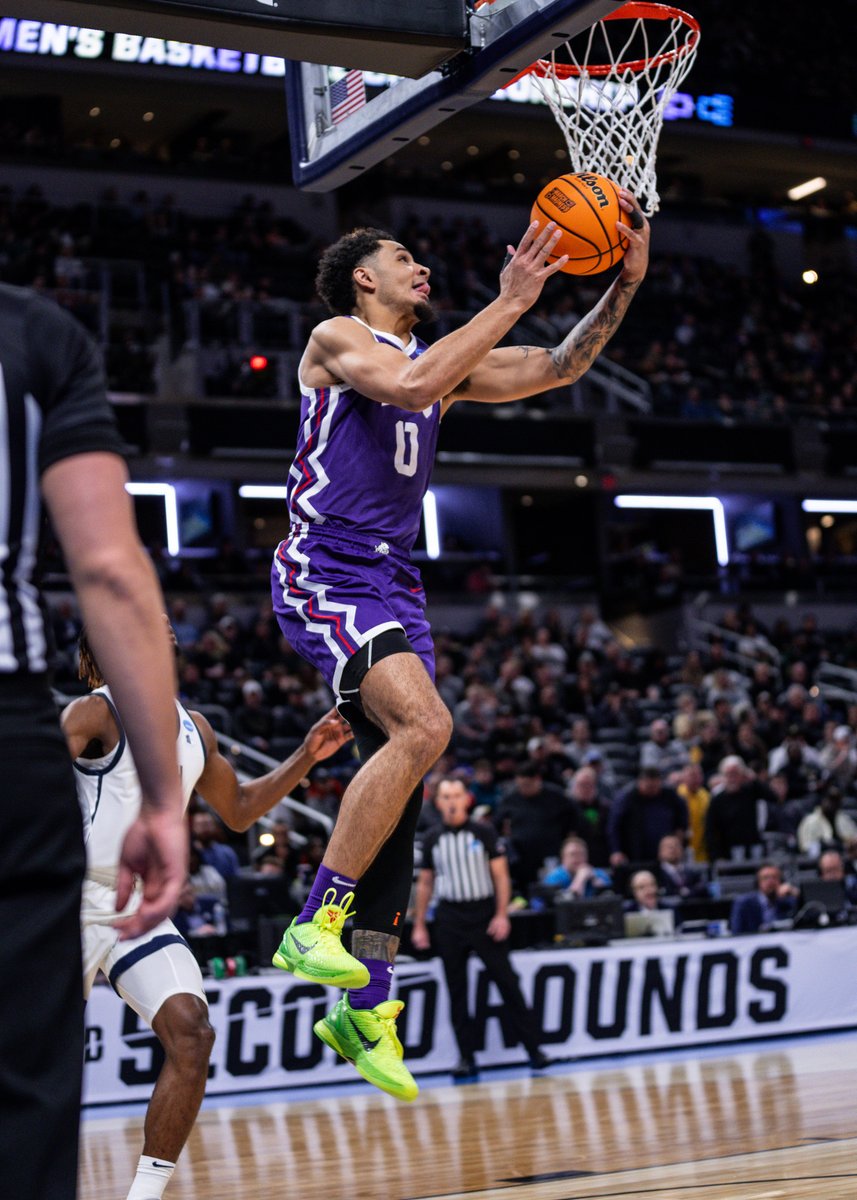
753, 1122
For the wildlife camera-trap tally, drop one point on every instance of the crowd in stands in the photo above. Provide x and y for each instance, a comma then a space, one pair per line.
599, 764
714, 343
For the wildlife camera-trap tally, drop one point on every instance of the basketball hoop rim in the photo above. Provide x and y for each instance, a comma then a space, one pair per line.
637, 9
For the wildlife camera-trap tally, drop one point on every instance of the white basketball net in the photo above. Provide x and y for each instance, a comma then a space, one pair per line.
609, 90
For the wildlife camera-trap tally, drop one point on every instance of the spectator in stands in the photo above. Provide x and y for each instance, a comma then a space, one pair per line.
575, 873
261, 647
675, 877
280, 852
827, 826
714, 743
684, 732
549, 752
208, 835
748, 744
643, 813
534, 817
475, 717
604, 772
448, 682
791, 701
204, 879
617, 712
770, 723
193, 917
838, 758
801, 774
764, 680
186, 630
738, 812
545, 650
593, 807
697, 797
580, 743
662, 752
724, 684
589, 632
831, 868
644, 892
483, 786
772, 901
253, 721
794, 752
784, 813
812, 722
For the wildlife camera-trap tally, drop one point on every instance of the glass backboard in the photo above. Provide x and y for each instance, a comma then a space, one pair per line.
343, 121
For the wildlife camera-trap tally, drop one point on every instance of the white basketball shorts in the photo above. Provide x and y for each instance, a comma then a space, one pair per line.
145, 971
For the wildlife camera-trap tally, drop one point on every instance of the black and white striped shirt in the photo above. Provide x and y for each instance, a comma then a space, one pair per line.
53, 405
459, 858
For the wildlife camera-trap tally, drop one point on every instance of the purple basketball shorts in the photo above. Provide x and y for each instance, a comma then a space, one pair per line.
334, 593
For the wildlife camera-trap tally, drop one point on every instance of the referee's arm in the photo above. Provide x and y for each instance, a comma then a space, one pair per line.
499, 926
420, 939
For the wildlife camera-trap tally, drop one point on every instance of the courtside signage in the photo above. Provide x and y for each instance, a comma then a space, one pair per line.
44, 39
616, 1000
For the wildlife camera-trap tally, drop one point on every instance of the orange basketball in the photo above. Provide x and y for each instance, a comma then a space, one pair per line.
586, 207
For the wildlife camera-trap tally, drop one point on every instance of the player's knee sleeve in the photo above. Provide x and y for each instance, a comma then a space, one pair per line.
385, 889
367, 736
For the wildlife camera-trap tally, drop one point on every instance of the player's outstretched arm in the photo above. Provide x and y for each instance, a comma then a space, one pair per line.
122, 606
240, 804
515, 372
351, 355
425, 886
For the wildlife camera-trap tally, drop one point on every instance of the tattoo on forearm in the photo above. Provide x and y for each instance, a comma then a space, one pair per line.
365, 943
579, 350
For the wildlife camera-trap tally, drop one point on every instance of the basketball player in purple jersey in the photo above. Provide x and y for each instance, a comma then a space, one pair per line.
350, 601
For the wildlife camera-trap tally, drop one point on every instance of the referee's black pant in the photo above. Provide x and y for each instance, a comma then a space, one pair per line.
41, 991
460, 928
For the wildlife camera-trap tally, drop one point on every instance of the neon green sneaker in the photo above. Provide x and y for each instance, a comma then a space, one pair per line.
313, 949
367, 1038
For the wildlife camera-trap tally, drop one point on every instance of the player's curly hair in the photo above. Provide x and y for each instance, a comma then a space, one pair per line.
87, 668
334, 281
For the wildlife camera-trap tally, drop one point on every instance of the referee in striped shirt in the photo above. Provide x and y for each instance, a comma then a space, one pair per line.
465, 864
57, 436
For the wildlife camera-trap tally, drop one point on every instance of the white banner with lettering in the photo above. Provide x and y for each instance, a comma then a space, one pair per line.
619, 999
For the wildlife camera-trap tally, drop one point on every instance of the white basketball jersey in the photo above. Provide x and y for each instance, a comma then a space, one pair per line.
108, 789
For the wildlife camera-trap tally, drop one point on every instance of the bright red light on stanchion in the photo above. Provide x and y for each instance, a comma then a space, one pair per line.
258, 362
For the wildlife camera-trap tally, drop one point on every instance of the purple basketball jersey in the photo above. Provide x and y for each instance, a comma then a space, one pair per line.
361, 466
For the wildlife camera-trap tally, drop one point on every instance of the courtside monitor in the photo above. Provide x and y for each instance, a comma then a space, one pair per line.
589, 922
828, 894
660, 923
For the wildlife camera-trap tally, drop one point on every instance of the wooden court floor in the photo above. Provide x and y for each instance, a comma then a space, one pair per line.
744, 1124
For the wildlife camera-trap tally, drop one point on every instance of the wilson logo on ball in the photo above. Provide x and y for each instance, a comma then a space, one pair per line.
594, 186
560, 200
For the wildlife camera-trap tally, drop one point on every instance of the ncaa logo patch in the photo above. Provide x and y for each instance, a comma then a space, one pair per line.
560, 200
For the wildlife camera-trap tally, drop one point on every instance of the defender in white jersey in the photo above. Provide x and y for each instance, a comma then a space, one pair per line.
157, 975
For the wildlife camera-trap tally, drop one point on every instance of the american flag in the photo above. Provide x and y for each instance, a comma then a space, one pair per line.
346, 96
